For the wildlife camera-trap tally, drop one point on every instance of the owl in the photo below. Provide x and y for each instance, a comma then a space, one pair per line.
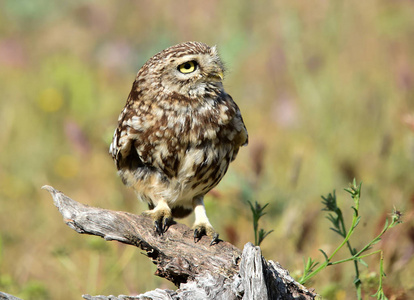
177, 134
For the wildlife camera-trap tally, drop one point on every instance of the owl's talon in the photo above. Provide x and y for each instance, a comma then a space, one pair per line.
158, 227
197, 235
166, 223
215, 239
205, 229
162, 219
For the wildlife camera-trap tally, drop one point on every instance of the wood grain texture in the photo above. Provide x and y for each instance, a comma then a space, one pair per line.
4, 296
200, 271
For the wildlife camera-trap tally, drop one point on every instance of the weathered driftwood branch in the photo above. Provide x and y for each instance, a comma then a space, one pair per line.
200, 271
4, 296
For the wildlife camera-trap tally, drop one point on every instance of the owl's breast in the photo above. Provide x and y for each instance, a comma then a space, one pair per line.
202, 168
189, 143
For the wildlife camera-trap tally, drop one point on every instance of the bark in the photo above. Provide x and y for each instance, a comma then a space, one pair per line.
200, 271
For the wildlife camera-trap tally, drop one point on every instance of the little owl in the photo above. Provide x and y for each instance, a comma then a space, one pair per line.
177, 134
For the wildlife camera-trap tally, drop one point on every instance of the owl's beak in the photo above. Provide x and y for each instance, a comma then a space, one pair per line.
217, 75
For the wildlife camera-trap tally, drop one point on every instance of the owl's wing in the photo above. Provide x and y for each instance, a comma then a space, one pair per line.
242, 137
234, 132
121, 147
136, 142
125, 137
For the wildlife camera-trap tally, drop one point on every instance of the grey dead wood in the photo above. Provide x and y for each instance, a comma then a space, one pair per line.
200, 271
4, 296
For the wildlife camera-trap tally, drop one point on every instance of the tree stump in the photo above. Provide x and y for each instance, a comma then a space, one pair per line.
200, 271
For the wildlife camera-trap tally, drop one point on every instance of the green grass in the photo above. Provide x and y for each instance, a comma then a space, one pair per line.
357, 256
326, 90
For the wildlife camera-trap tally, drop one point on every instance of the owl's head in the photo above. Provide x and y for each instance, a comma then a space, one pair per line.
188, 69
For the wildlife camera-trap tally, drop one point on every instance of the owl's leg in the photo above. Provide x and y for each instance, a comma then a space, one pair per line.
202, 225
161, 215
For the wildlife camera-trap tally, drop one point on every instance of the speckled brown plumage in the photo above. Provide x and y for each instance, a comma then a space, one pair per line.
178, 133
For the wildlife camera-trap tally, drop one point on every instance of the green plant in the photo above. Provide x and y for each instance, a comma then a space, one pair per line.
257, 211
311, 267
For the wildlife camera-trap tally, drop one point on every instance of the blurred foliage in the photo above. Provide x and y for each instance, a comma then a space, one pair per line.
326, 90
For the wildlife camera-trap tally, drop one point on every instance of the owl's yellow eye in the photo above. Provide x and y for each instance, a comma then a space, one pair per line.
187, 67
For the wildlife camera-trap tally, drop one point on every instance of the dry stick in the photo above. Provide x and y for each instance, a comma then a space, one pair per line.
200, 271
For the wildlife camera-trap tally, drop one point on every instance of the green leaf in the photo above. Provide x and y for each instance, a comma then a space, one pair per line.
385, 225
357, 222
355, 211
324, 254
362, 262
376, 241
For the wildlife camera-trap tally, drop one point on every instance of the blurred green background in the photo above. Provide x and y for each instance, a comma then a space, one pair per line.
326, 89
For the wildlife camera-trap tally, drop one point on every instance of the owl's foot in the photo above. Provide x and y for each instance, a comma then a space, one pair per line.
162, 218
202, 225
205, 229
